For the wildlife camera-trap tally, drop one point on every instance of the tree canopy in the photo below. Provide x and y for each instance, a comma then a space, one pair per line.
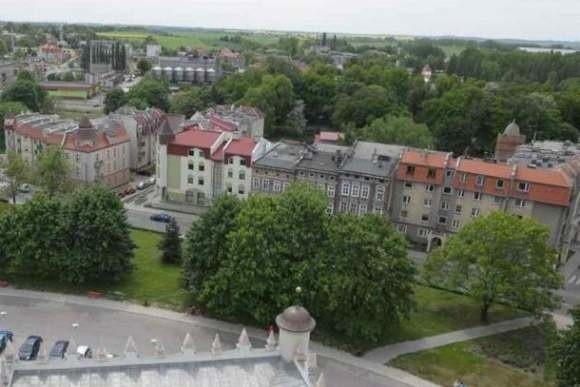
567, 353
114, 99
149, 92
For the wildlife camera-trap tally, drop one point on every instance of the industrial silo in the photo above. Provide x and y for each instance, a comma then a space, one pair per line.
189, 75
210, 75
157, 72
178, 74
200, 75
168, 73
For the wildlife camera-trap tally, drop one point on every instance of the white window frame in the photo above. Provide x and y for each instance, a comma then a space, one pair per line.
520, 203
265, 184
380, 193
475, 212
526, 186
365, 191
422, 232
444, 204
406, 201
460, 193
478, 196
479, 180
256, 183
497, 185
455, 224
429, 187
331, 191
345, 189
402, 228
276, 186
355, 190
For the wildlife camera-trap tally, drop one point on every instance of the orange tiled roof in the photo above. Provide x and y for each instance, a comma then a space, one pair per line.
425, 158
554, 177
482, 167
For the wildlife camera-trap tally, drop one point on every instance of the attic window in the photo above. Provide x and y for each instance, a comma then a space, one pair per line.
410, 169
431, 173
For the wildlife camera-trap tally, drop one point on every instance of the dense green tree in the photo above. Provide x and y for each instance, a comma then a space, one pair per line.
152, 92
16, 172
232, 88
397, 130
25, 90
99, 245
52, 171
144, 66
485, 257
190, 100
364, 299
114, 99
170, 245
364, 106
567, 354
289, 45
319, 88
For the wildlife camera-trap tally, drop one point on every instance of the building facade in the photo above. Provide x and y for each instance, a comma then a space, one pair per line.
249, 121
97, 151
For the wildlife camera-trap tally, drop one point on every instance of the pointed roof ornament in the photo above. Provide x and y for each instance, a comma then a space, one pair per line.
188, 347
321, 381
216, 345
271, 341
130, 348
244, 341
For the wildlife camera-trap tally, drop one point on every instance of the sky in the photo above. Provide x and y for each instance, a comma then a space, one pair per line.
524, 19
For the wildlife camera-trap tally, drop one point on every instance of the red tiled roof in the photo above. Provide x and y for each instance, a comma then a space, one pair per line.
425, 158
196, 138
555, 177
329, 136
241, 147
221, 124
482, 167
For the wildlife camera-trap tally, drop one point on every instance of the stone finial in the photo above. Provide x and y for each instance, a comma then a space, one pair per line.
244, 341
271, 341
216, 345
130, 348
321, 381
188, 346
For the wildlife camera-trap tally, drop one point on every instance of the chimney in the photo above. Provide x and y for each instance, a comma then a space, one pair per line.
295, 325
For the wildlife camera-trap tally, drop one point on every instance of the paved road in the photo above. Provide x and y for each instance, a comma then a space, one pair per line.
139, 217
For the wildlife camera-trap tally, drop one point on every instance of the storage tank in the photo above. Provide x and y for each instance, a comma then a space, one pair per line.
168, 73
210, 75
190, 75
157, 72
178, 74
200, 75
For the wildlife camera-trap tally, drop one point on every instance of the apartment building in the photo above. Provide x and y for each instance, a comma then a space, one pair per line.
249, 121
98, 150
435, 194
196, 165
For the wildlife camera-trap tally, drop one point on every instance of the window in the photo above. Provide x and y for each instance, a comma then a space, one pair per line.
190, 166
330, 209
431, 173
406, 201
276, 186
422, 232
479, 179
200, 181
355, 190
404, 213
364, 193
524, 187
256, 183
463, 177
343, 206
499, 183
447, 190
475, 212
458, 209
378, 210
455, 224
410, 169
362, 208
353, 207
330, 191
449, 173
311, 174
425, 218
477, 195
345, 189
242, 175
229, 188
402, 228
241, 189
460, 193
192, 152
242, 161
520, 203
380, 194
285, 186
442, 220
201, 167
230, 173
409, 185
429, 187
427, 203
190, 179
444, 204
231, 160
265, 184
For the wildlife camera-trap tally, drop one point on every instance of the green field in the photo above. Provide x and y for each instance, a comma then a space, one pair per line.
76, 94
514, 359
150, 283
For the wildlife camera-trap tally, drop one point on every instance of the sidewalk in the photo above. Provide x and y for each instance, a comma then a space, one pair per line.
362, 365
389, 352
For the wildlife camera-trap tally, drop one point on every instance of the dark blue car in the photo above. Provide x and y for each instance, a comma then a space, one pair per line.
58, 350
29, 350
5, 336
161, 217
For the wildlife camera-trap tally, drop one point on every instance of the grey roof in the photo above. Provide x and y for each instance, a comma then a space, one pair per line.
545, 154
319, 161
251, 369
295, 319
374, 159
284, 155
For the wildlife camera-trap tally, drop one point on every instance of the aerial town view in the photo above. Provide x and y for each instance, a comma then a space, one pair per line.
289, 193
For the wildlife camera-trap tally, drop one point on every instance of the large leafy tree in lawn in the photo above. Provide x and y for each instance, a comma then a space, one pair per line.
272, 250
33, 236
499, 257
25, 90
205, 243
366, 281
99, 244
16, 172
567, 354
52, 171
170, 245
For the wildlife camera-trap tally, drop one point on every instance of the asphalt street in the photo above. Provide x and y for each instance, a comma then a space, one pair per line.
140, 217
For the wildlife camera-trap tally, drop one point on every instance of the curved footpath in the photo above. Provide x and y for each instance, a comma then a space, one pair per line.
33, 309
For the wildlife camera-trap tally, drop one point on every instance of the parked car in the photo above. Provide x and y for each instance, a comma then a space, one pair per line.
58, 350
161, 217
84, 352
146, 183
29, 349
5, 336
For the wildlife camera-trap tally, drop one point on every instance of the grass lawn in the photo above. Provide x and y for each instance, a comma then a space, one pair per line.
437, 311
77, 94
514, 359
150, 283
